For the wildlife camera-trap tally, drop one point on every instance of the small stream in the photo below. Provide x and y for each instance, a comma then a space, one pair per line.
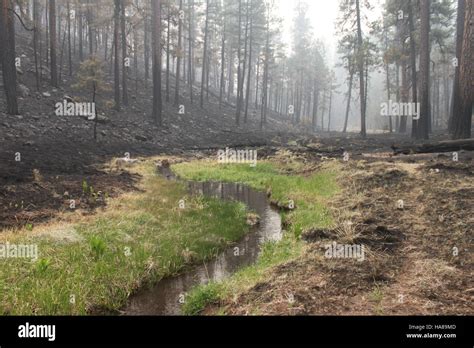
166, 296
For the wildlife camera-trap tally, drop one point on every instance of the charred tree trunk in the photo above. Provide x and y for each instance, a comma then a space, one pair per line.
456, 92
7, 55
463, 119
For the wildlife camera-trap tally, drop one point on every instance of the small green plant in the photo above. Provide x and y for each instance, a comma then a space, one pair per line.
85, 186
97, 246
298, 230
29, 227
377, 294
93, 194
42, 265
377, 297
201, 297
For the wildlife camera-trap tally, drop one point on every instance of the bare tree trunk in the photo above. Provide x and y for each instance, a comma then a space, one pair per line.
256, 80
323, 110
185, 55
168, 38
222, 83
263, 119
190, 48
90, 25
239, 77
146, 48
46, 39
61, 56
156, 37
69, 48
35, 40
314, 119
116, 55
204, 54
404, 97
463, 121
178, 62
40, 41
360, 57
397, 81
53, 43
387, 73
424, 113
456, 92
242, 82
247, 92
80, 34
329, 110
124, 54
135, 55
106, 43
208, 69
349, 96
414, 88
7, 55
300, 98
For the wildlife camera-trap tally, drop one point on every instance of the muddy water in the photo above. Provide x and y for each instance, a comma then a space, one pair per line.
166, 296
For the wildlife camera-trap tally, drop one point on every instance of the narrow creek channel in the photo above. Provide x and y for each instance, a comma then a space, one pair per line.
164, 297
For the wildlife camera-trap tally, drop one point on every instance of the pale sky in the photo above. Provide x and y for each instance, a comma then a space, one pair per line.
322, 15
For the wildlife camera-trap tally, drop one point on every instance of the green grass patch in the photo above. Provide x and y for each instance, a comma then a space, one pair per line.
309, 194
141, 238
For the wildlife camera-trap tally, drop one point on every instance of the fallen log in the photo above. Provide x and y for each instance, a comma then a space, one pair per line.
441, 146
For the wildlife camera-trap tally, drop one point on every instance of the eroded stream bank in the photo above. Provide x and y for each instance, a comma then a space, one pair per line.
167, 296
